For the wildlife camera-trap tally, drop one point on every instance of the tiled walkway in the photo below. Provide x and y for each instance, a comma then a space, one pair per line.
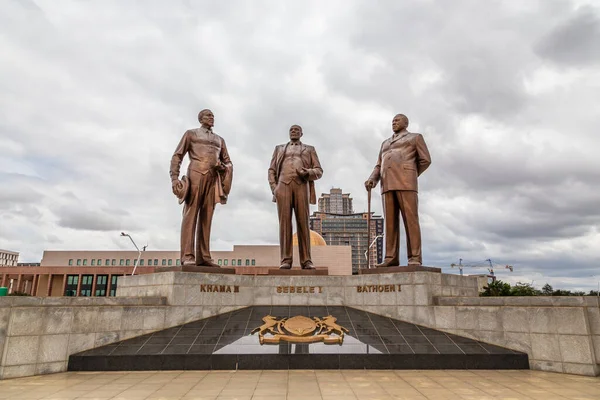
305, 385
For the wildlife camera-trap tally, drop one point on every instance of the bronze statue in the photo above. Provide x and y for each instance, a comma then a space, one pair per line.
402, 158
294, 168
208, 182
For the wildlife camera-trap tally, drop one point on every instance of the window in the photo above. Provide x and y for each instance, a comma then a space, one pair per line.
107, 262
247, 261
71, 286
101, 281
170, 262
233, 261
93, 262
156, 261
71, 261
78, 261
141, 261
127, 261
113, 285
85, 261
164, 262
113, 262
121, 261
220, 262
239, 261
178, 262
99, 262
253, 261
86, 285
225, 261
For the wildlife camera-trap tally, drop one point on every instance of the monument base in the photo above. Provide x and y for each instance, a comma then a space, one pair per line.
389, 270
299, 272
196, 268
227, 342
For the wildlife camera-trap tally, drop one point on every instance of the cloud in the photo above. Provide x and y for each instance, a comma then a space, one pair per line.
83, 218
94, 97
573, 42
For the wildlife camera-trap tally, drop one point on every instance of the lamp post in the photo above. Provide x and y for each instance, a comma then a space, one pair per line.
137, 248
369, 248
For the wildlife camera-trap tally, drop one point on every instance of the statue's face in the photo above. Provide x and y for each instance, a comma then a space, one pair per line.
295, 132
399, 123
208, 119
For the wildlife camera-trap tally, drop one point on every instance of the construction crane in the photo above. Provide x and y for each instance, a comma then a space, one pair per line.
481, 264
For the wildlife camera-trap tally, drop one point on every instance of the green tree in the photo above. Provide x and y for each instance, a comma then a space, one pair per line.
496, 288
559, 292
547, 290
524, 289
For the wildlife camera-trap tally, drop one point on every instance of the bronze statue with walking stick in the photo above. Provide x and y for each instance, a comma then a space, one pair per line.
402, 158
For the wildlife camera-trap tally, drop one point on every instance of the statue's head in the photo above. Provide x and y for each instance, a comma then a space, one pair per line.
206, 118
295, 132
399, 123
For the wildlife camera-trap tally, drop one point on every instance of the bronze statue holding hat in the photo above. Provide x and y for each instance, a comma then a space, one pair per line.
208, 182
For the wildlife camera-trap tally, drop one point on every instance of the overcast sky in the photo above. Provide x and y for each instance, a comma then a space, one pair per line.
95, 96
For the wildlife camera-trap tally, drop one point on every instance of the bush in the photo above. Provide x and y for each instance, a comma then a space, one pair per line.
496, 288
18, 294
499, 288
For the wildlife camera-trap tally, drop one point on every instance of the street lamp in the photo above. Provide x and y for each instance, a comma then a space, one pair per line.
137, 248
368, 248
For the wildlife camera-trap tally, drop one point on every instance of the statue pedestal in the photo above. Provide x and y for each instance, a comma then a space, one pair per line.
196, 268
299, 272
389, 270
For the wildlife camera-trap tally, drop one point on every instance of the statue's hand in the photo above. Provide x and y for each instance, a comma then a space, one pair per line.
302, 173
220, 167
369, 184
174, 184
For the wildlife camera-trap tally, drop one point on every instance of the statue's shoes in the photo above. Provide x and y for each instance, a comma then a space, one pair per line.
285, 266
386, 264
308, 265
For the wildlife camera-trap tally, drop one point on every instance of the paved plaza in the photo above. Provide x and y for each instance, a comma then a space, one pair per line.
304, 384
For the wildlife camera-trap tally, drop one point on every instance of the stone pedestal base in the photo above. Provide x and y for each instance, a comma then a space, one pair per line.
196, 268
389, 270
299, 272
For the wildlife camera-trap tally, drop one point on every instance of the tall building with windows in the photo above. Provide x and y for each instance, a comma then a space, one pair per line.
337, 223
8, 258
335, 202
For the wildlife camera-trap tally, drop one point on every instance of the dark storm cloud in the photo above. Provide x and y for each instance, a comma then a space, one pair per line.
574, 42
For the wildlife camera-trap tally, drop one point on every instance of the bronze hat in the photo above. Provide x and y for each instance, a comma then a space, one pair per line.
182, 188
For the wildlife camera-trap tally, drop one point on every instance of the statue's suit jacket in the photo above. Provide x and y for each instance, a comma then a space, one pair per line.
310, 161
401, 160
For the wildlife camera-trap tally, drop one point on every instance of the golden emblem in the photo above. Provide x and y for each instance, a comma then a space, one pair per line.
300, 329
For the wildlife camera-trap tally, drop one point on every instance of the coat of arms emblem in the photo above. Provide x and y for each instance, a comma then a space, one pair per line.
300, 329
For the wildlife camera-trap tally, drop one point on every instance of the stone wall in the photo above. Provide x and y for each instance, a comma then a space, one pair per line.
37, 335
560, 334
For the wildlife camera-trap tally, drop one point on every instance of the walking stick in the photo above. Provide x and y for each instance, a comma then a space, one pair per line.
369, 228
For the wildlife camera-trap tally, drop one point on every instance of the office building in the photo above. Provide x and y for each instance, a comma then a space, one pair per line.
351, 230
335, 202
8, 258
